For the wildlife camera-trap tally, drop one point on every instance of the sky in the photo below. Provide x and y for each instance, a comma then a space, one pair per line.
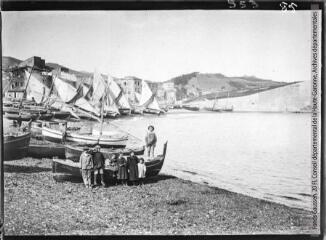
160, 45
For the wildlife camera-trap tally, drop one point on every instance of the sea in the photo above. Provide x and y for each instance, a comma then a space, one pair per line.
263, 155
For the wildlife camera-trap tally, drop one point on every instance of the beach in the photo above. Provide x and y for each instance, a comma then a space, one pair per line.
37, 204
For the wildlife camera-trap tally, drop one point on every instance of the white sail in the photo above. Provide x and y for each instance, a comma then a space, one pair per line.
86, 92
36, 89
137, 97
99, 87
147, 99
116, 93
69, 94
154, 105
83, 104
65, 90
110, 105
146, 94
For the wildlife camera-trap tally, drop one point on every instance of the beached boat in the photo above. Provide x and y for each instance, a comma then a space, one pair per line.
125, 111
16, 145
148, 101
116, 97
73, 152
136, 110
44, 149
25, 116
61, 114
110, 139
190, 108
67, 166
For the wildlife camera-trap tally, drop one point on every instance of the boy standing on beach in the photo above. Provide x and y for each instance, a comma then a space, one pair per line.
99, 162
150, 140
86, 165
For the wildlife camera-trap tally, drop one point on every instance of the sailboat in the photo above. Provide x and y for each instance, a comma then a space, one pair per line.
225, 108
117, 96
100, 95
135, 108
148, 100
74, 97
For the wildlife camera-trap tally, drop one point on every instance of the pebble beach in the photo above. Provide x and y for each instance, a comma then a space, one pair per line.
36, 203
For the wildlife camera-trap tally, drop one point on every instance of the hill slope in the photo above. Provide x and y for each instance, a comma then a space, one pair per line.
9, 61
211, 85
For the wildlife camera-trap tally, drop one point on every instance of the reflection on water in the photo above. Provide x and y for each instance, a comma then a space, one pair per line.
265, 155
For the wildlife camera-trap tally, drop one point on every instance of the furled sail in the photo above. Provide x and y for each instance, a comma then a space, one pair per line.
148, 99
116, 93
36, 88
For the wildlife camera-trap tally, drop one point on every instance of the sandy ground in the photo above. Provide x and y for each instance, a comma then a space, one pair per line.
35, 203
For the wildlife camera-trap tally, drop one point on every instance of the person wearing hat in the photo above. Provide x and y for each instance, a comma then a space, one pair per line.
86, 165
150, 140
99, 162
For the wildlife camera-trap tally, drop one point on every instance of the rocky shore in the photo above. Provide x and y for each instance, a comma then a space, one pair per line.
36, 203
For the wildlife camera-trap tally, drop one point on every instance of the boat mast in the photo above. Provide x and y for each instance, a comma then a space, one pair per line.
21, 101
102, 108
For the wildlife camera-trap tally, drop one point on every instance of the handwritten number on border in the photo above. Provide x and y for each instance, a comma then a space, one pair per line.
286, 6
242, 3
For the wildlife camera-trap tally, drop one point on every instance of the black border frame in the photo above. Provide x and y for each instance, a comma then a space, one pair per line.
88, 5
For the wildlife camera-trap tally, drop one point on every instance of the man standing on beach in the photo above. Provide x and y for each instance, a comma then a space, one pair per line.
86, 165
99, 162
150, 140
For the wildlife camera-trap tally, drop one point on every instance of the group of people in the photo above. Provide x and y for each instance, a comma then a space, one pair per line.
132, 168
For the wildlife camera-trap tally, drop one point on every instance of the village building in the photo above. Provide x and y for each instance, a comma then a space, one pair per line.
16, 79
130, 86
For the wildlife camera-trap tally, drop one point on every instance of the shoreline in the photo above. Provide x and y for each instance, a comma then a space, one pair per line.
37, 204
210, 184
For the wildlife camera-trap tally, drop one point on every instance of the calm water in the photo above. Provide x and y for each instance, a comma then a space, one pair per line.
265, 155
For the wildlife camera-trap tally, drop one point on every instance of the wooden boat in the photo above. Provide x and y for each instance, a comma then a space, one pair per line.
23, 116
153, 111
191, 108
124, 111
111, 115
46, 150
61, 114
69, 167
110, 139
147, 100
16, 145
73, 152
136, 110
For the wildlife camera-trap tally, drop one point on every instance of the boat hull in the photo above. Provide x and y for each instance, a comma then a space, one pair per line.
73, 152
53, 135
124, 111
46, 151
16, 147
152, 111
73, 168
191, 108
61, 114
